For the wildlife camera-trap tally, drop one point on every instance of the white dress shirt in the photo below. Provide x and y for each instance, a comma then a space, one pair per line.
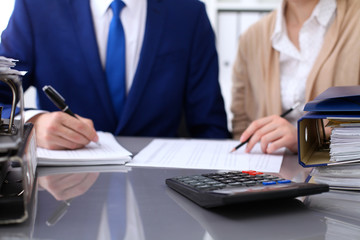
133, 18
295, 65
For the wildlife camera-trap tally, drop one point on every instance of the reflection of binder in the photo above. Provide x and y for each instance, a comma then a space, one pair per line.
17, 159
340, 205
334, 103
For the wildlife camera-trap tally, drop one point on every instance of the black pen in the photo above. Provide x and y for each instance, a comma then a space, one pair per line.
57, 99
282, 115
59, 213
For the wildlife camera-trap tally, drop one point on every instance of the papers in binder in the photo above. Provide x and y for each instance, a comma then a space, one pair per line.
345, 141
109, 151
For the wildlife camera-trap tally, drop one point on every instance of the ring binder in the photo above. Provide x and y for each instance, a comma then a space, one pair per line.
336, 103
17, 158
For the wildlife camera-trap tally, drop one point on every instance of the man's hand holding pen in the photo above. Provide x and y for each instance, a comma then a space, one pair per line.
62, 130
59, 130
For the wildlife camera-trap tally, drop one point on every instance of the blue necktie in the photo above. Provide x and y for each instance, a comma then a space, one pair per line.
115, 59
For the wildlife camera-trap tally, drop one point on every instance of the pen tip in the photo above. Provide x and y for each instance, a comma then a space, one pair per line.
233, 150
296, 105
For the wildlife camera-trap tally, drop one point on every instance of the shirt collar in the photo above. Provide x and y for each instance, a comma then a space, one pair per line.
323, 12
280, 23
100, 7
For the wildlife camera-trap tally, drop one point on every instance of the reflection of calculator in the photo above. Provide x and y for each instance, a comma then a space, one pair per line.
217, 189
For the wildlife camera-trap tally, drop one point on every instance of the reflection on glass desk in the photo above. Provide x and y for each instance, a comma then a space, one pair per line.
118, 202
341, 210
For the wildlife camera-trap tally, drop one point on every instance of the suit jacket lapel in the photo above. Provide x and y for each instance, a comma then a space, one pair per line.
84, 29
152, 37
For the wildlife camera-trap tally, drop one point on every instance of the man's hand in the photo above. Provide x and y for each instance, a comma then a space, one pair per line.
67, 186
58, 130
272, 132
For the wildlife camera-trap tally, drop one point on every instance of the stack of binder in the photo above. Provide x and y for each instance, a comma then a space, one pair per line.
329, 138
329, 141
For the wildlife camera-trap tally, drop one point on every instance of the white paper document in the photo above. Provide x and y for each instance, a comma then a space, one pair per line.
206, 154
108, 151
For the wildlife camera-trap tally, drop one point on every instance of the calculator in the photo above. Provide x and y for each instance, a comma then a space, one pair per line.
227, 188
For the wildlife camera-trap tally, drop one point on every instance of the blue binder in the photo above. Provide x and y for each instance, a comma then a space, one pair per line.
336, 99
334, 103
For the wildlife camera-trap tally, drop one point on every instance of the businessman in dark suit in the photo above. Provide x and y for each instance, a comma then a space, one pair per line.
172, 69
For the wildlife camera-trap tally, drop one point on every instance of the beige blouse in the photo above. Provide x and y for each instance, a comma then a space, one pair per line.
256, 78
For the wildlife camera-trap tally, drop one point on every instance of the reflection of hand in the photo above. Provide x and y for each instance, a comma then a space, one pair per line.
66, 186
272, 132
58, 130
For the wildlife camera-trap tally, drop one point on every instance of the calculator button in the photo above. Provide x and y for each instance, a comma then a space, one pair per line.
284, 181
236, 184
203, 186
271, 177
258, 178
269, 183
220, 179
219, 185
196, 184
213, 182
242, 179
199, 177
228, 181
190, 181
251, 177
249, 183
207, 180
236, 177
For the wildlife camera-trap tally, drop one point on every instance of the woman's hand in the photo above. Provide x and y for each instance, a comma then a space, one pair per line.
272, 132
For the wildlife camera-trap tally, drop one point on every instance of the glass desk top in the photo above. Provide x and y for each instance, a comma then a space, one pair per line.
117, 202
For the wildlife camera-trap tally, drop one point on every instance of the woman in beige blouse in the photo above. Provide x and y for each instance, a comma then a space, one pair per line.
289, 56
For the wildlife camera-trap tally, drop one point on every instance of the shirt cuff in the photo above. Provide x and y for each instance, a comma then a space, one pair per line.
31, 113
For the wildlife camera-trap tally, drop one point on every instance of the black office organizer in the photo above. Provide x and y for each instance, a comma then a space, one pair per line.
17, 157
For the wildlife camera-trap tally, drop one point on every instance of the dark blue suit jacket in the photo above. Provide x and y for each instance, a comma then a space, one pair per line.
177, 71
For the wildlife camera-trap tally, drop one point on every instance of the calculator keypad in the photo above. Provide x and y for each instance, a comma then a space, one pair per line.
228, 188
213, 181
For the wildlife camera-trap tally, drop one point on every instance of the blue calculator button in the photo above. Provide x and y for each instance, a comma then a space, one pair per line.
269, 183
284, 181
